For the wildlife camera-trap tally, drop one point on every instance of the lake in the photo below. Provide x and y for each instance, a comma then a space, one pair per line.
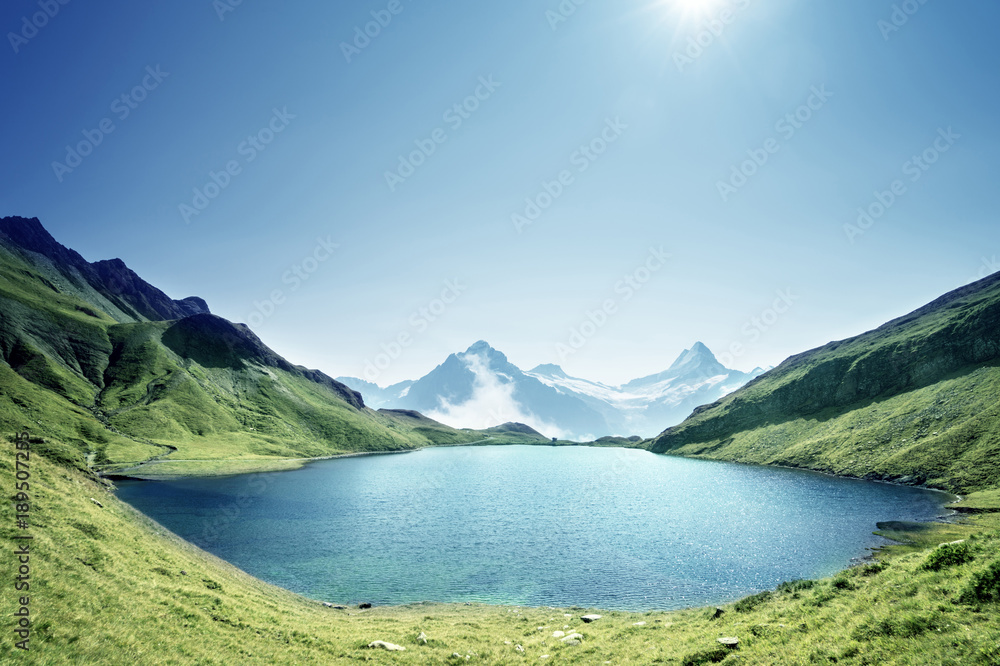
616, 529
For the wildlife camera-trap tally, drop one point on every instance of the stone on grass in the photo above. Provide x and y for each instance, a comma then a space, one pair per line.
364, 605
730, 642
590, 618
386, 646
558, 634
573, 639
638, 624
328, 604
716, 614
422, 638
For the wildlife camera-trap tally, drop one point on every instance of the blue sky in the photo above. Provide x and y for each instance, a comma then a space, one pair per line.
609, 121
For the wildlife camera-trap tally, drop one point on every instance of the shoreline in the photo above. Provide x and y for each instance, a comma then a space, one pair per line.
872, 554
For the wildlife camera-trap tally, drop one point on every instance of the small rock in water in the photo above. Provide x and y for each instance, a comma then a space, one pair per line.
386, 646
590, 618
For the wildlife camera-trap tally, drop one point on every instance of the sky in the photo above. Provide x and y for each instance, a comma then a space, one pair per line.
374, 185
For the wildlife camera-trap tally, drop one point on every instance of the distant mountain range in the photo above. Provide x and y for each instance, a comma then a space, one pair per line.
480, 387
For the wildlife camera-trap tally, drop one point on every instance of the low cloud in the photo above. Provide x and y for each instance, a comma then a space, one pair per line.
492, 403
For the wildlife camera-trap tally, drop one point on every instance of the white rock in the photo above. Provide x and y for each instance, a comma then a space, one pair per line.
386, 646
638, 624
590, 618
422, 637
519, 648
558, 634
572, 637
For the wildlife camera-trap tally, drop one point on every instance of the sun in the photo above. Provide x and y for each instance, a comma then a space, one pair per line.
692, 8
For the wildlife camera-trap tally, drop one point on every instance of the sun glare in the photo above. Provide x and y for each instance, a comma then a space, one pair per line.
692, 8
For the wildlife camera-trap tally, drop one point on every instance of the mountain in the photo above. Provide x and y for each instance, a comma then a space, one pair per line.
913, 401
480, 387
107, 369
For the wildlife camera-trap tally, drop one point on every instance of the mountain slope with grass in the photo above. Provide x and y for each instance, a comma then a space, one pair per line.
913, 401
118, 374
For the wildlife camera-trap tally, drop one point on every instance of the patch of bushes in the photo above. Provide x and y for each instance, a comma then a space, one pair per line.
984, 586
900, 626
713, 656
948, 555
747, 604
796, 586
873, 568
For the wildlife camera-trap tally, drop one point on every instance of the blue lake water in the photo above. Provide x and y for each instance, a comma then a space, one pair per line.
540, 526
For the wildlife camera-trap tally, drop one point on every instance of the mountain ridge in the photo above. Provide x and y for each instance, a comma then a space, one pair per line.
904, 401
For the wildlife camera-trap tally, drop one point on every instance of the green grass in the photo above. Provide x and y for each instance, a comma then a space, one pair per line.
110, 586
946, 435
913, 401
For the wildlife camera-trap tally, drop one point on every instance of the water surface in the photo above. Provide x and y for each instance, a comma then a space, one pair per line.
592, 527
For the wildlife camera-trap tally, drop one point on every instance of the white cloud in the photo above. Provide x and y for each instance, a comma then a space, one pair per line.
492, 403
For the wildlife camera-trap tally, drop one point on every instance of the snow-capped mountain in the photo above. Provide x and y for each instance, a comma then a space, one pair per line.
480, 387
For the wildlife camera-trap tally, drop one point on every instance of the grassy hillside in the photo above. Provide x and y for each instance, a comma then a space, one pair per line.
200, 390
913, 401
108, 586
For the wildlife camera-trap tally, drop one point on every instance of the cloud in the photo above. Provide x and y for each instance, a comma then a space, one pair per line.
492, 403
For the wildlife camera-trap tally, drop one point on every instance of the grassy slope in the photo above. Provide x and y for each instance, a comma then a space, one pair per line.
125, 393
108, 588
914, 400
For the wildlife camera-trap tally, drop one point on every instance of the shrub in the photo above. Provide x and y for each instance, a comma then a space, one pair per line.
984, 586
796, 586
747, 604
948, 555
713, 656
